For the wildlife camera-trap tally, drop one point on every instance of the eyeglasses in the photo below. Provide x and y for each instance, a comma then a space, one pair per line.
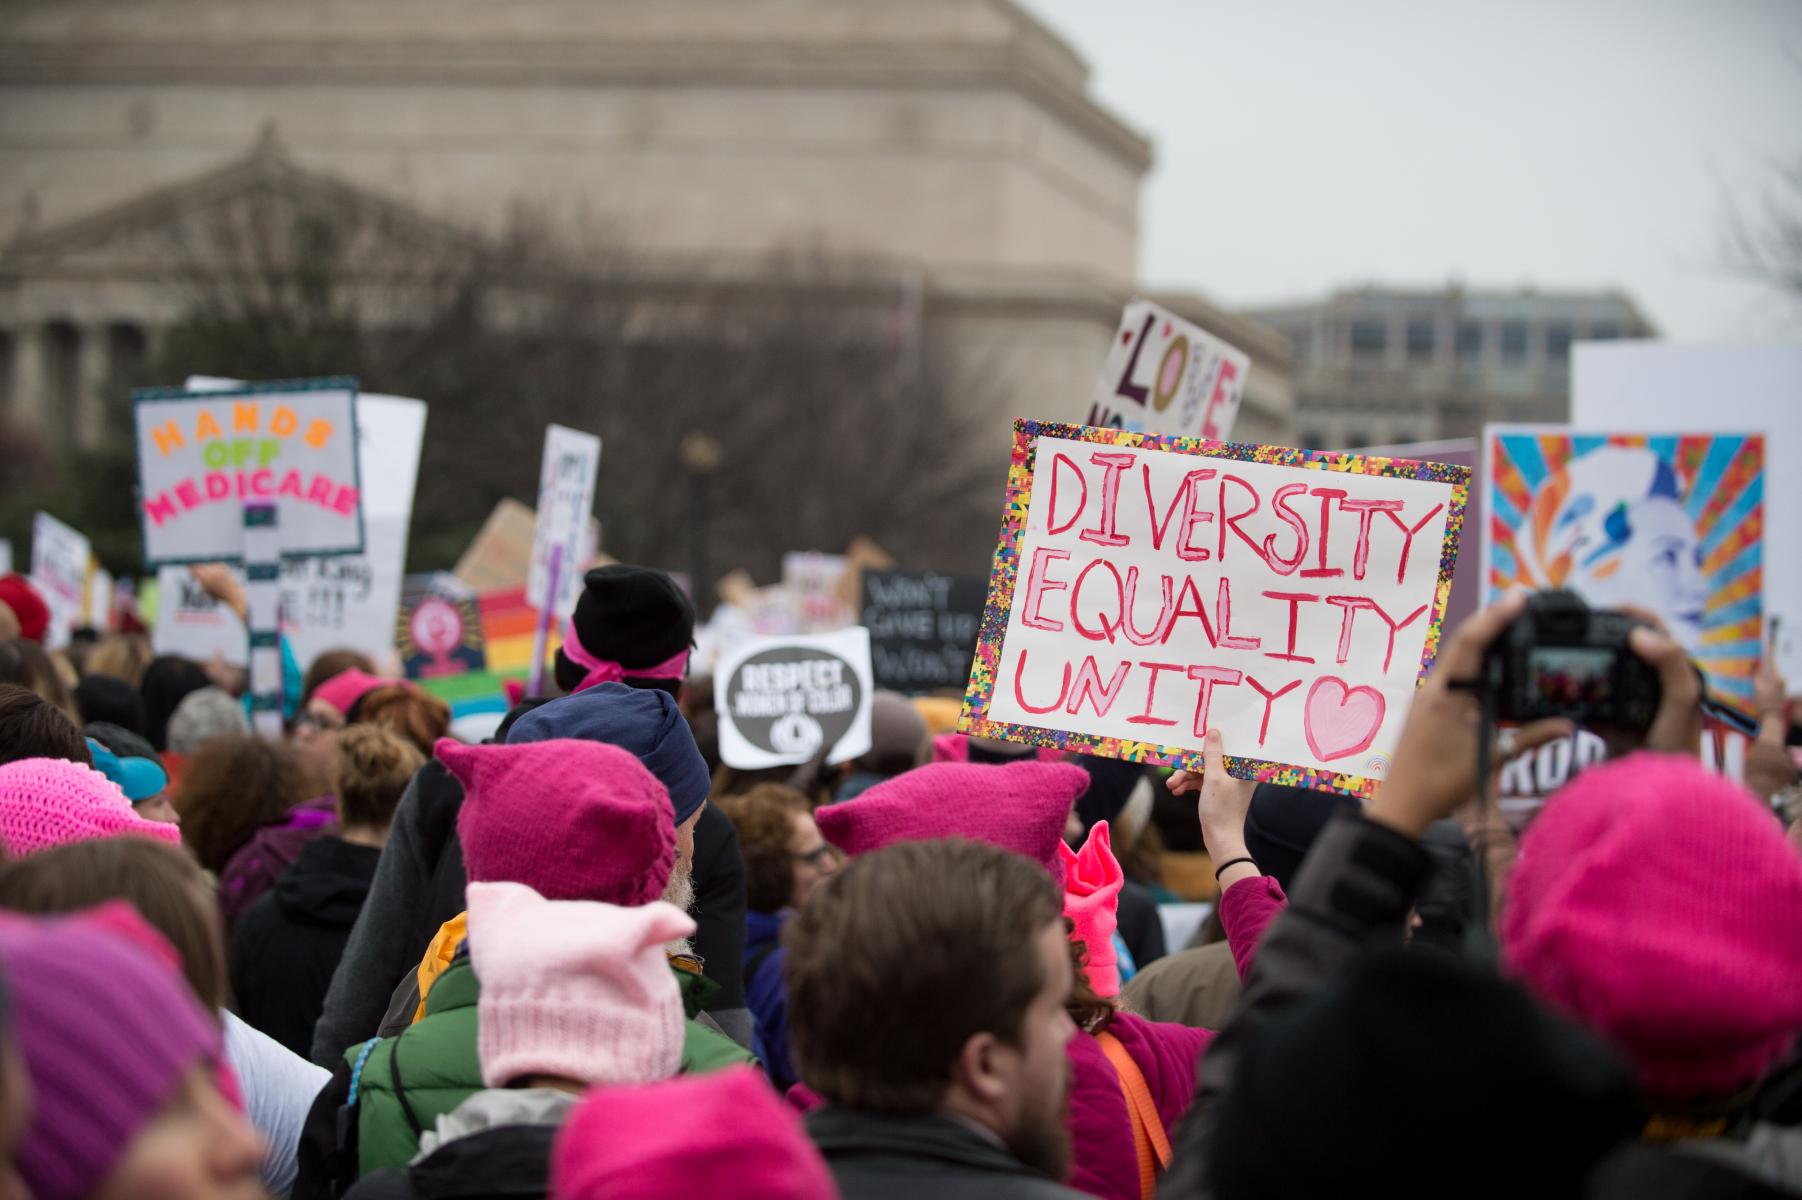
307, 720
819, 856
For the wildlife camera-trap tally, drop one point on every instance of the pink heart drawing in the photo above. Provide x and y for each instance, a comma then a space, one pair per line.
1340, 720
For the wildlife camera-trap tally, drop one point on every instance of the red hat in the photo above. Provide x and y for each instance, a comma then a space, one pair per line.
17, 594
1019, 807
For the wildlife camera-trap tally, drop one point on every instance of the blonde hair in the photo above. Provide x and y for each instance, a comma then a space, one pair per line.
374, 767
122, 656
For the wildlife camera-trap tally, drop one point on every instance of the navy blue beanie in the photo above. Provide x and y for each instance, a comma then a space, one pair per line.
641, 721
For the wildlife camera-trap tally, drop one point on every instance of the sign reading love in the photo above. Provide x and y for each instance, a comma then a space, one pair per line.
1148, 588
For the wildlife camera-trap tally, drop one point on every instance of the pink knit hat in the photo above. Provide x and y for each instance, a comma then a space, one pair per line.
1019, 807
343, 690
1092, 882
571, 819
721, 1134
48, 802
574, 988
1657, 904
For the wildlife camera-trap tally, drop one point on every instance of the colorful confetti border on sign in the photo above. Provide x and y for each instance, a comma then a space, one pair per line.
974, 717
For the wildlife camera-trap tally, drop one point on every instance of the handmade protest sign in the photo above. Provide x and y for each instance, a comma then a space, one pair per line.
440, 635
203, 455
59, 567
780, 700
1671, 522
1149, 588
923, 628
813, 582
1166, 375
572, 459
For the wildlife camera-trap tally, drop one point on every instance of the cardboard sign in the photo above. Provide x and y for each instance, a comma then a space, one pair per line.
1165, 375
923, 628
1720, 389
1148, 588
572, 459
59, 568
201, 455
781, 699
440, 635
1671, 522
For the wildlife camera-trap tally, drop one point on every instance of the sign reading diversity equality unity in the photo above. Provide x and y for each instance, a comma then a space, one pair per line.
1148, 588
203, 455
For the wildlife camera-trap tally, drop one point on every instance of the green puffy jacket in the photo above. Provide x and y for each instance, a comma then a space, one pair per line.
439, 1068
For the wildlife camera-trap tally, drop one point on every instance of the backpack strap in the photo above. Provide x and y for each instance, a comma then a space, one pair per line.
1149, 1137
400, 1090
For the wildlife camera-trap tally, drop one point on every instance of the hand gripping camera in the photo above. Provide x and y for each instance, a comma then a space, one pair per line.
1560, 658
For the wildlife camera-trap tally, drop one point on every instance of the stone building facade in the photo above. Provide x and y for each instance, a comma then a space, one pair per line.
951, 142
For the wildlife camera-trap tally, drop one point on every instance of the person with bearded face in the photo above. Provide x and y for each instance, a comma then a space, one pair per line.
928, 983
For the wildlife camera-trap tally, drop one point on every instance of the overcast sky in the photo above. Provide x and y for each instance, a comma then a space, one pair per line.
1304, 145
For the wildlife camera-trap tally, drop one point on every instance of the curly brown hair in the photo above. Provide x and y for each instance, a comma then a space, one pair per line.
765, 819
418, 716
230, 787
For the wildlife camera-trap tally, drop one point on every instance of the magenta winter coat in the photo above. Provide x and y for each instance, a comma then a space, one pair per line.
255, 866
1105, 1161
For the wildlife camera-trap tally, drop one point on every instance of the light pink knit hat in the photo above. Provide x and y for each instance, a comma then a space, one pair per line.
49, 802
574, 988
1657, 904
1019, 807
722, 1134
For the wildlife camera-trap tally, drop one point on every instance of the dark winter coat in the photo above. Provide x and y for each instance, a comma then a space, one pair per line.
877, 1157
287, 945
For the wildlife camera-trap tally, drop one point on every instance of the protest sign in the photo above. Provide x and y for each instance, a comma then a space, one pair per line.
1467, 586
192, 624
1717, 389
780, 700
97, 608
6, 556
1166, 375
202, 455
572, 459
1147, 588
813, 583
440, 635
923, 628
1671, 522
59, 567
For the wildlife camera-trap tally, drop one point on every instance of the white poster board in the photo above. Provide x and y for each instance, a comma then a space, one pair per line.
1163, 374
781, 699
59, 567
1651, 385
813, 581
202, 455
572, 461
6, 556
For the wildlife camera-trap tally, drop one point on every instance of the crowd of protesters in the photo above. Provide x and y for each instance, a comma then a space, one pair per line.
586, 959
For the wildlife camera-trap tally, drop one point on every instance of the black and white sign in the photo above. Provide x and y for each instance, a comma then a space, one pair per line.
781, 699
923, 628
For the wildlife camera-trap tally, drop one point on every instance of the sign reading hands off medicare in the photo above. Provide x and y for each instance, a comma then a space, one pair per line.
1147, 589
203, 455
782, 700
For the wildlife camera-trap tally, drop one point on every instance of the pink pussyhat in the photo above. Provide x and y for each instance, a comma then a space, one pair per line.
343, 690
1661, 906
721, 1134
1019, 807
49, 802
1092, 883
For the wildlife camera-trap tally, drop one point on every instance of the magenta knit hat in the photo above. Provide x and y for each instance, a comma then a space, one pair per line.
572, 820
106, 1030
573, 988
1659, 905
1019, 807
343, 690
721, 1134
49, 802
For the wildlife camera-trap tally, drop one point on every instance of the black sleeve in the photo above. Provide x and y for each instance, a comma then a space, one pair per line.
324, 1168
1139, 925
720, 907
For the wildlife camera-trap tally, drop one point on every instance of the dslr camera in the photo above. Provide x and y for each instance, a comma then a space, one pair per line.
1561, 658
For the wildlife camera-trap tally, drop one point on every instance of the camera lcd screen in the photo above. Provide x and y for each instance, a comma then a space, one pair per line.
1571, 676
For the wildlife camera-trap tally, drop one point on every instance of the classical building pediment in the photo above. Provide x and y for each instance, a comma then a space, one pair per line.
259, 210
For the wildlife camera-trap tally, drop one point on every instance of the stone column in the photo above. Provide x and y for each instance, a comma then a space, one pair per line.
29, 380
90, 385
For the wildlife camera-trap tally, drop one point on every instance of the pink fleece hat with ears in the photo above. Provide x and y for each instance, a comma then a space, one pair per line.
343, 690
49, 802
570, 818
1092, 883
573, 988
721, 1134
1019, 807
1661, 906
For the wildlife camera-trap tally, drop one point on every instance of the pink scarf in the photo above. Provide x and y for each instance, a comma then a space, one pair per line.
605, 670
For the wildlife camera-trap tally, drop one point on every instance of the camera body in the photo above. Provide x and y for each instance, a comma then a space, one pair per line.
1561, 658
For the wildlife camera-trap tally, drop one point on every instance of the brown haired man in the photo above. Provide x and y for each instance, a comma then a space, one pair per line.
927, 984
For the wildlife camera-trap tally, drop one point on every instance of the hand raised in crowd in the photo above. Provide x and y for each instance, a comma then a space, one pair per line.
1677, 727
217, 581
1770, 695
1436, 756
1221, 804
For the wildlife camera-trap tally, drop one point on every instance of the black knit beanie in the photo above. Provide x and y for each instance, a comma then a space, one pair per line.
634, 616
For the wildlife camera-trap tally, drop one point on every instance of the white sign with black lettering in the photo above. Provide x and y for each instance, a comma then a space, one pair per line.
781, 700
